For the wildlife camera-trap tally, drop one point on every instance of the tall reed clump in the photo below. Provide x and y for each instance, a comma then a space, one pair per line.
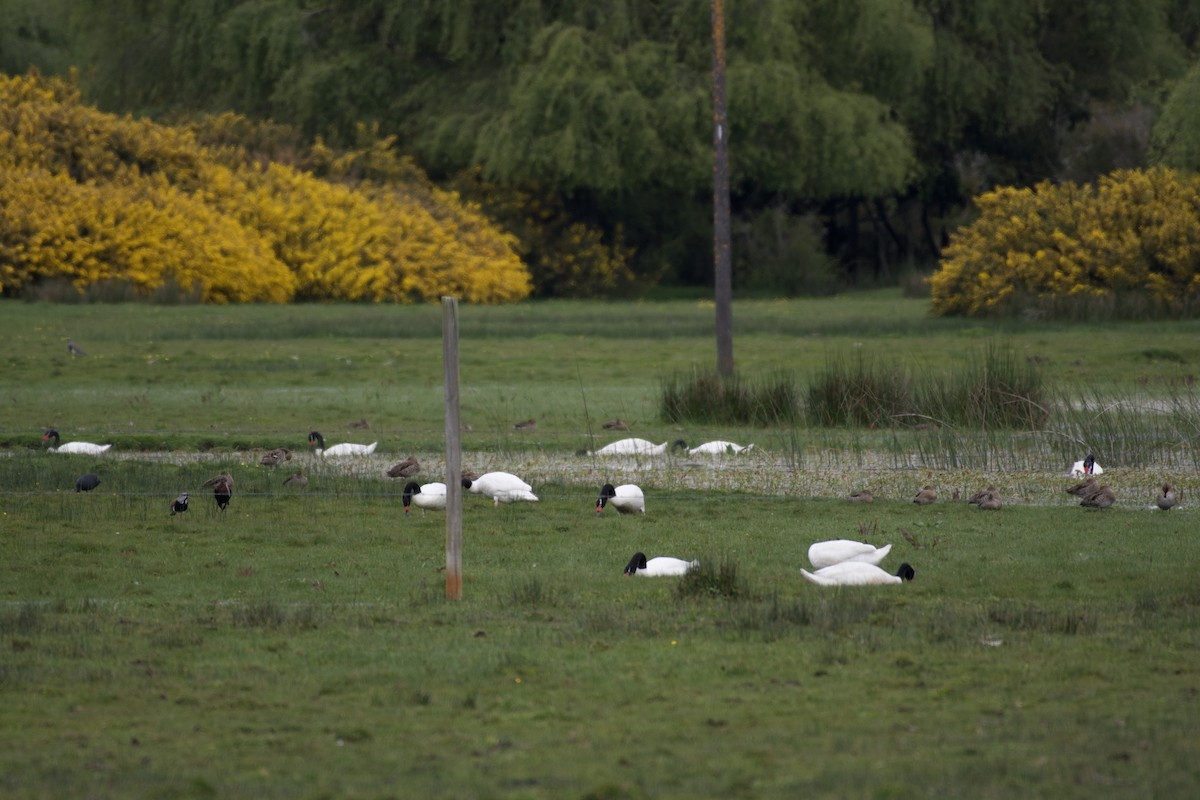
709, 397
857, 393
993, 391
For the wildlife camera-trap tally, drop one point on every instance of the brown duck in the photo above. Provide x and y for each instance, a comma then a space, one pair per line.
926, 496
1166, 500
405, 469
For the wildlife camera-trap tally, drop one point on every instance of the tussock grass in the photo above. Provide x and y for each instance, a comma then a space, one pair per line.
707, 397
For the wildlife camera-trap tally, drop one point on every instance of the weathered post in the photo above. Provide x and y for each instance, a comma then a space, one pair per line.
722, 257
453, 449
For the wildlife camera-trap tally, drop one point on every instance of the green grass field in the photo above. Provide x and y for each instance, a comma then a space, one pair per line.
300, 645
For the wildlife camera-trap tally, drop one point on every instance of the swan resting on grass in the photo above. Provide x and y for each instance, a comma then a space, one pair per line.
73, 447
858, 573
1087, 466
719, 448
657, 567
837, 551
316, 440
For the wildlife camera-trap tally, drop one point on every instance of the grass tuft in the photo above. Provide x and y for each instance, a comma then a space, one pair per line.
708, 581
707, 397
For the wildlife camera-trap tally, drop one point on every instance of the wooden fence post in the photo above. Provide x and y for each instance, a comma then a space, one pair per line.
453, 449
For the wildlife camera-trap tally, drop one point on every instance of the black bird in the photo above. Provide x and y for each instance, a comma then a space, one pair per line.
180, 504
85, 483
74, 349
223, 491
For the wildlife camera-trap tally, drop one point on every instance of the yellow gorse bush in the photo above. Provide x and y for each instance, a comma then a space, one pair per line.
89, 197
1134, 230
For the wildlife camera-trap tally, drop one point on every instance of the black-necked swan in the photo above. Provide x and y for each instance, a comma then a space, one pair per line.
639, 447
926, 496
405, 469
424, 496
179, 504
836, 551
315, 439
626, 498
72, 447
719, 448
1166, 499
1087, 466
85, 483
857, 573
657, 567
502, 487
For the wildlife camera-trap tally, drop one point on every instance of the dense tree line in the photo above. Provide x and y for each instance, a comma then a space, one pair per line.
860, 129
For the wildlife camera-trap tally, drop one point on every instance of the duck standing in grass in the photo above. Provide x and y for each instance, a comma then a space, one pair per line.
837, 551
858, 573
223, 493
1166, 498
502, 487
428, 496
660, 566
626, 499
85, 483
86, 448
317, 441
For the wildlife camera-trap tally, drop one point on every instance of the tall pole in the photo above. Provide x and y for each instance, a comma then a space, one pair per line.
453, 449
722, 258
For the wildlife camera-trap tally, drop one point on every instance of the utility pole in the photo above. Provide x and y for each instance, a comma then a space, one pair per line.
722, 258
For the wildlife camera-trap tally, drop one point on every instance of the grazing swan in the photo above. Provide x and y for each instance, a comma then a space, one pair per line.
657, 567
315, 439
926, 496
857, 573
639, 447
405, 469
275, 457
1086, 467
1166, 500
85, 483
837, 551
502, 487
431, 495
626, 499
718, 448
73, 447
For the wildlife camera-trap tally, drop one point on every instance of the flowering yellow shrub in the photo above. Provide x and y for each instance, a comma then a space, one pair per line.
88, 197
1135, 229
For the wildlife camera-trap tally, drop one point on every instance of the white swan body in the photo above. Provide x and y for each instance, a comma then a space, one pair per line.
626, 499
502, 487
857, 573
428, 496
317, 440
87, 448
837, 551
637, 447
718, 448
1087, 466
657, 567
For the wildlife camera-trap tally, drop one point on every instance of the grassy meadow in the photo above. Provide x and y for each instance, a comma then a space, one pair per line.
300, 644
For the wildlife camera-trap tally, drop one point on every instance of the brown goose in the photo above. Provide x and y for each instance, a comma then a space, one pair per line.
216, 480
1166, 500
1103, 497
296, 479
223, 492
862, 496
990, 501
273, 458
615, 424
526, 425
405, 469
926, 496
1083, 488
